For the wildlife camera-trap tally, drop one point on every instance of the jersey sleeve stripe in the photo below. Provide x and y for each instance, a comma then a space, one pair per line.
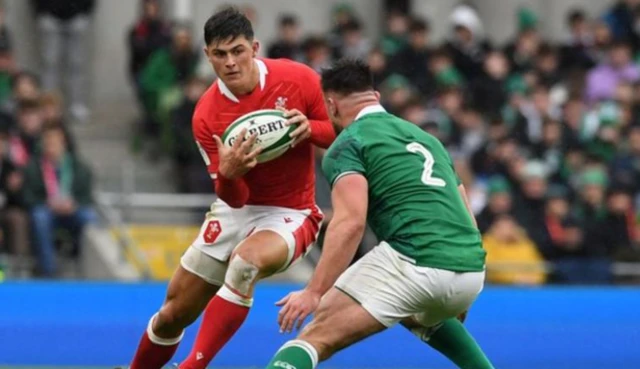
343, 174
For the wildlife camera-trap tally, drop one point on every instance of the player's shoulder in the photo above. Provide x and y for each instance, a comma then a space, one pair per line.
348, 141
287, 69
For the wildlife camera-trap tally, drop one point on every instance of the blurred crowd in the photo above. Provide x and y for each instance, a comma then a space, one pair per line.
545, 136
45, 187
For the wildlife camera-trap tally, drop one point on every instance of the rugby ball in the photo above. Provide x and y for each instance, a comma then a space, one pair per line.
269, 125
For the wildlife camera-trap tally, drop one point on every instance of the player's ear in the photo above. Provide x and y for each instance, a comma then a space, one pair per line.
256, 47
333, 108
377, 93
205, 49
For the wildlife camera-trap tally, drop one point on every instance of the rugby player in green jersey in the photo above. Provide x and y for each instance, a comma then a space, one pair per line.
429, 266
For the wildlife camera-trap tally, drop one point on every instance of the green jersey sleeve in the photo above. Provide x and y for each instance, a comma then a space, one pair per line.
343, 157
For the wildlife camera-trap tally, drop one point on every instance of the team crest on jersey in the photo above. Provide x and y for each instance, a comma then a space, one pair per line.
281, 102
212, 231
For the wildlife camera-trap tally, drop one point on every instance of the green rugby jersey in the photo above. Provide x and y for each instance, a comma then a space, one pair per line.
414, 202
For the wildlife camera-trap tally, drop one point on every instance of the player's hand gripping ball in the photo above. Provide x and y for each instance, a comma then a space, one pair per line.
238, 158
303, 128
271, 131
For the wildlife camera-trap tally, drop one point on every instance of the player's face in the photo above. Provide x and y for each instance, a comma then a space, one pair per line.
232, 60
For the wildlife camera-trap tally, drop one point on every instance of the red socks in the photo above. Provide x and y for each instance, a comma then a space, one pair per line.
222, 318
154, 352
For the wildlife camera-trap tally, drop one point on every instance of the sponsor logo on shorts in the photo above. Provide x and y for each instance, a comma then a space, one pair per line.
199, 356
212, 231
287, 220
282, 364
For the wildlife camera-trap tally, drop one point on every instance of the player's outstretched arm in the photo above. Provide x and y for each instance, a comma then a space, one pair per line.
350, 200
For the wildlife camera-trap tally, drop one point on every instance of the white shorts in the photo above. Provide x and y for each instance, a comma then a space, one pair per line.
225, 228
391, 288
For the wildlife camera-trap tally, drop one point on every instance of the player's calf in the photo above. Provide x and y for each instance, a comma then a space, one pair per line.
187, 295
327, 334
173, 318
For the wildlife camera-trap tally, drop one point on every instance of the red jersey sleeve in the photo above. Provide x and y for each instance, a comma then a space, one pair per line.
233, 192
322, 132
206, 145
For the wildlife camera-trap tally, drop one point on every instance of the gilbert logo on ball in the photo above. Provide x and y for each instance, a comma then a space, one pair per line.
269, 126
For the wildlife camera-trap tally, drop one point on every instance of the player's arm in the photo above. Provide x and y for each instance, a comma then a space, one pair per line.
467, 204
346, 171
233, 191
463, 193
318, 127
349, 199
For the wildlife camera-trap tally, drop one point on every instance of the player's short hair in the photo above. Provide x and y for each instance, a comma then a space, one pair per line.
347, 76
228, 23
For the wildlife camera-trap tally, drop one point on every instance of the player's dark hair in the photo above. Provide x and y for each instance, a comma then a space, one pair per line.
347, 76
228, 23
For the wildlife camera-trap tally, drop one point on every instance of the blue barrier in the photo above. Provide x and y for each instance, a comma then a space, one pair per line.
99, 324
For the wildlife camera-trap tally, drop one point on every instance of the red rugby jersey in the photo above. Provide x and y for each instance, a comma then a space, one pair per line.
288, 181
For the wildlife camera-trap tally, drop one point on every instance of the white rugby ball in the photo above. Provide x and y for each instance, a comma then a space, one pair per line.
269, 125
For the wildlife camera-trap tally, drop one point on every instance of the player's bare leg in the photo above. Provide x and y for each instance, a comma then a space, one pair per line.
452, 340
187, 296
259, 256
327, 333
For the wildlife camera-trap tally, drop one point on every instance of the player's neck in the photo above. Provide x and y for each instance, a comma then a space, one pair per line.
357, 102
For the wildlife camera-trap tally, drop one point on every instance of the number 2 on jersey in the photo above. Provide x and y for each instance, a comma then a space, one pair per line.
427, 173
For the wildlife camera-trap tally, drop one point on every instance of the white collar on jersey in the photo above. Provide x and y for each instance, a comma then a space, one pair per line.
262, 68
377, 108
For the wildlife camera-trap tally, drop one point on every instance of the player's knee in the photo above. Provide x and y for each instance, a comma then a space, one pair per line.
242, 273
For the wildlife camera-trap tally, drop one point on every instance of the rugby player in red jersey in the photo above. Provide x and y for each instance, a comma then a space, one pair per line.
265, 217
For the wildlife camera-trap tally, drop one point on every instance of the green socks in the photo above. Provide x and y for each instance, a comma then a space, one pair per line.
296, 354
454, 341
